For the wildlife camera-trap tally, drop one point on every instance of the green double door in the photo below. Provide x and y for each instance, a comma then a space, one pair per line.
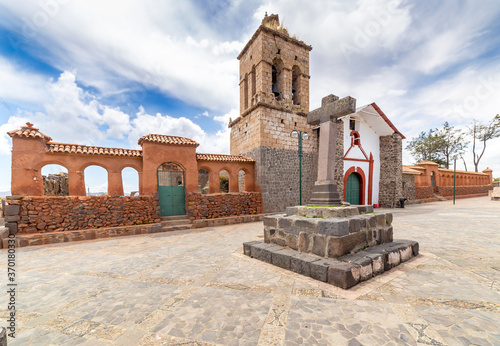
353, 189
172, 194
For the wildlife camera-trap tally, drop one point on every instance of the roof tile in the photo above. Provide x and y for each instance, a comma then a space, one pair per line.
66, 148
29, 131
165, 139
224, 158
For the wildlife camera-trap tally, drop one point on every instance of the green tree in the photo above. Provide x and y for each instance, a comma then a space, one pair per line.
428, 146
452, 143
482, 133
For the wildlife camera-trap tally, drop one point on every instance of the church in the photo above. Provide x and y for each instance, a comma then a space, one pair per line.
273, 129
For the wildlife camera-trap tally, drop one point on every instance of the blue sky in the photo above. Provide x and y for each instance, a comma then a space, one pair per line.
106, 73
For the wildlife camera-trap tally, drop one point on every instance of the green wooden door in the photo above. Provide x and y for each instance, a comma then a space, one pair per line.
171, 191
353, 189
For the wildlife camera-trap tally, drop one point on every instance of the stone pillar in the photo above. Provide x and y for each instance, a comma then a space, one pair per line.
115, 184
391, 170
213, 182
233, 182
76, 183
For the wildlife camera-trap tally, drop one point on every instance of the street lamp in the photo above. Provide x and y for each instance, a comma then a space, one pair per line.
302, 136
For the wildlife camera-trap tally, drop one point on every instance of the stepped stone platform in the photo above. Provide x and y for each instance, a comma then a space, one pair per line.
339, 245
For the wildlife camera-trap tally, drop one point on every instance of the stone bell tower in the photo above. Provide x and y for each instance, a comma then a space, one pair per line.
274, 101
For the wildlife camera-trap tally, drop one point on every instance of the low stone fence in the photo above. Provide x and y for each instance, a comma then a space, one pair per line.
26, 215
464, 190
221, 205
422, 192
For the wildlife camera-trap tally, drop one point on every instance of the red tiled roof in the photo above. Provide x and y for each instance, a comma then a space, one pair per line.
66, 148
167, 140
221, 157
29, 131
382, 114
410, 170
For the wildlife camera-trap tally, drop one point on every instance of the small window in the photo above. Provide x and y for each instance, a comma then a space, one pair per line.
352, 124
282, 121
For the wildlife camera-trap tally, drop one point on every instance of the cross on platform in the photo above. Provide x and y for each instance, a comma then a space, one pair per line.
325, 189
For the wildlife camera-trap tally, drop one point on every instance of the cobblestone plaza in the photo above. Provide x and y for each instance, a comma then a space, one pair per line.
197, 288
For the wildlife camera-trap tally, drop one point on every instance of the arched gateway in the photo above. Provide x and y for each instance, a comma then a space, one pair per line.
171, 189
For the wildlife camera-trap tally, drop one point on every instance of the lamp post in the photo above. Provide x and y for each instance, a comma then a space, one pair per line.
301, 135
454, 177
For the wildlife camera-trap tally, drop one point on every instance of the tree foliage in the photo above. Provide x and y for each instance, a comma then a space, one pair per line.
439, 146
482, 133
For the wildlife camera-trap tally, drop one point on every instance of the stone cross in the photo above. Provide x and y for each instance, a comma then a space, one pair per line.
325, 189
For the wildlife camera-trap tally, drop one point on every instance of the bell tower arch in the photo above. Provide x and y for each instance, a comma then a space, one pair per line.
274, 101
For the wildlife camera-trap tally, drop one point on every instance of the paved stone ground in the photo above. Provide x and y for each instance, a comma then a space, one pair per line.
197, 288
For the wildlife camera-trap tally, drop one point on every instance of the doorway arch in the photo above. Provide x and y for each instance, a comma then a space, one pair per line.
171, 184
354, 186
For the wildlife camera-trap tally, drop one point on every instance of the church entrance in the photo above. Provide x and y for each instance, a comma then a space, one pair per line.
353, 190
171, 189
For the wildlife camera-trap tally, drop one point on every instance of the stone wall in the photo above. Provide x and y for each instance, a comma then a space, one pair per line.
223, 205
409, 186
339, 157
424, 192
464, 190
391, 170
55, 214
56, 184
277, 173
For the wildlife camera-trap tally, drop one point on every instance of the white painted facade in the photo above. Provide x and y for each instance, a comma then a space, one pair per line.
370, 125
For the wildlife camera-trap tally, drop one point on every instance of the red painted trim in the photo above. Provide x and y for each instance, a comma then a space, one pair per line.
379, 111
362, 184
370, 180
358, 160
355, 141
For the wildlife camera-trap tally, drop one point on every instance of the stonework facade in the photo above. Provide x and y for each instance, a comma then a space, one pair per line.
274, 101
391, 172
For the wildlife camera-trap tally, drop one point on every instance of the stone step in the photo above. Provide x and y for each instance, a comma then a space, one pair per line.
174, 217
176, 222
175, 228
2, 222
344, 272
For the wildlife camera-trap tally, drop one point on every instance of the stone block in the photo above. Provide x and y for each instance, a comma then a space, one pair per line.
278, 241
292, 211
378, 263
247, 247
392, 258
12, 218
388, 219
365, 208
405, 254
371, 221
281, 258
339, 246
271, 220
333, 227
12, 226
380, 220
291, 230
262, 251
331, 213
319, 245
354, 224
305, 242
301, 263
344, 275
319, 269
386, 234
307, 225
292, 241
11, 209
285, 222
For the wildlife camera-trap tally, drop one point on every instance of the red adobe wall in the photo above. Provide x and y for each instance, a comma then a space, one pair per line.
219, 205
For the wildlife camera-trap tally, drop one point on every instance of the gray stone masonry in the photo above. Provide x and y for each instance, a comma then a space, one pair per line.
344, 272
339, 245
328, 232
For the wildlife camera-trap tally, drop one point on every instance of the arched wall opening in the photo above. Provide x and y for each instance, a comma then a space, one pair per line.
224, 181
55, 180
203, 181
96, 180
130, 179
296, 92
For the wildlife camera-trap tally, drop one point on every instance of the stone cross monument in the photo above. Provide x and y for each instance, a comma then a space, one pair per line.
325, 189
